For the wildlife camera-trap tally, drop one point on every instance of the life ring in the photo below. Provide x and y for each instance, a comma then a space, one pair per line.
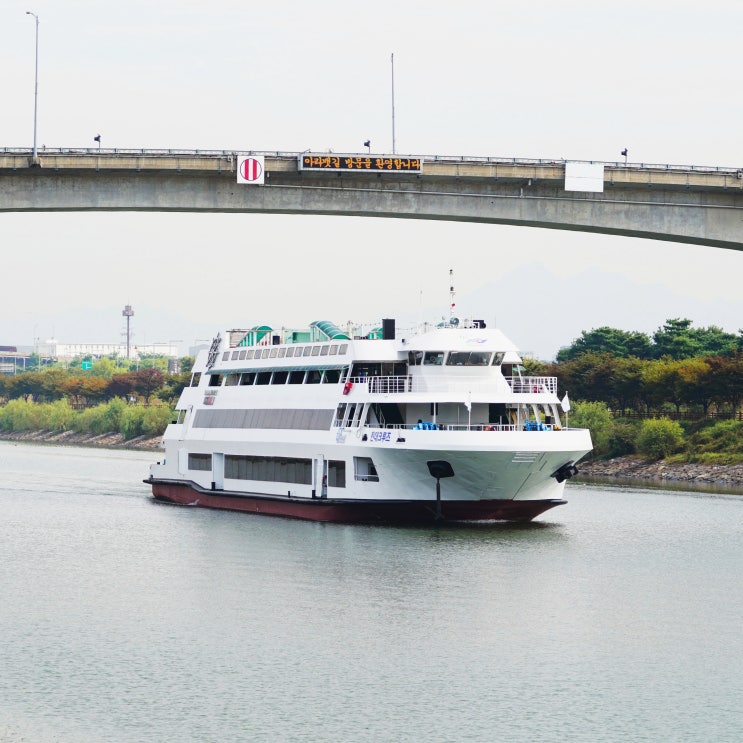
535, 389
347, 387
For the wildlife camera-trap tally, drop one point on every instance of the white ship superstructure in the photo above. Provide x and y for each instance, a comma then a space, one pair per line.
440, 423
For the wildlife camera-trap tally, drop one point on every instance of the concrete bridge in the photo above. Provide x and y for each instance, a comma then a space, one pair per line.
690, 204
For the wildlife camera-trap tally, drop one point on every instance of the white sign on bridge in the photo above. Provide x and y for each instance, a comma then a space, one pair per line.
251, 169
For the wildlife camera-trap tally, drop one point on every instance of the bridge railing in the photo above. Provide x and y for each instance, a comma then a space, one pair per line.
143, 152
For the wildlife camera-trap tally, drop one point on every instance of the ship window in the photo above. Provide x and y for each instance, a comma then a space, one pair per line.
313, 377
289, 353
215, 380
282, 353
343, 348
200, 462
273, 353
324, 350
468, 358
498, 358
415, 358
307, 351
315, 350
478, 358
296, 377
268, 469
242, 355
364, 469
433, 358
280, 377
334, 350
235, 354
232, 380
195, 379
336, 473
332, 376
249, 354
247, 378
226, 356
263, 378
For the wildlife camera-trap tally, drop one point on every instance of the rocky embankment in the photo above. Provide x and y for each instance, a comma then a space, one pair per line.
71, 438
632, 468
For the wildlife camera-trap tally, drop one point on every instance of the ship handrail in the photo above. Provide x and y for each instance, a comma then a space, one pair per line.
394, 385
431, 426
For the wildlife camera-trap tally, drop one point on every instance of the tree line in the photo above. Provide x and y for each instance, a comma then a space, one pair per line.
102, 399
682, 380
694, 370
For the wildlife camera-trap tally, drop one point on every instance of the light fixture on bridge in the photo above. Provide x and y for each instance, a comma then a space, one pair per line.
367, 144
97, 138
624, 153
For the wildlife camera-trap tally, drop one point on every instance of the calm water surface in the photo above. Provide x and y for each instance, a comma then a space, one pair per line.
618, 617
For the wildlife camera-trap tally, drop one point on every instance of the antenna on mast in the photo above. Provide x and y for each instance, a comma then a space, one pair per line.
451, 293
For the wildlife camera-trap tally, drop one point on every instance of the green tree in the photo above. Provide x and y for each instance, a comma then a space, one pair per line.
602, 340
596, 417
659, 438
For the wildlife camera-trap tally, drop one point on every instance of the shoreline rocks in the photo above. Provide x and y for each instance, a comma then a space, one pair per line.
632, 468
72, 438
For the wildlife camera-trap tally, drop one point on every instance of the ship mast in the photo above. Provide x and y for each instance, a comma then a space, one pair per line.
451, 293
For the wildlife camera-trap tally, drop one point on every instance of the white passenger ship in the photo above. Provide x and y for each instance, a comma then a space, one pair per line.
437, 424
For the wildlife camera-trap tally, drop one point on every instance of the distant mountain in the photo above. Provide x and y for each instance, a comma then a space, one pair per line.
539, 311
542, 313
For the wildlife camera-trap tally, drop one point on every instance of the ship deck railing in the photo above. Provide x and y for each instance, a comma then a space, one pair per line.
527, 425
392, 385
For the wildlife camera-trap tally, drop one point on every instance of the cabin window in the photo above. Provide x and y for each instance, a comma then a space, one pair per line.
249, 354
195, 379
201, 462
433, 358
268, 469
334, 350
282, 353
280, 377
273, 353
336, 473
343, 348
307, 351
226, 356
263, 378
296, 377
247, 378
468, 358
315, 350
415, 358
313, 377
498, 358
364, 469
332, 376
215, 380
241, 355
324, 350
289, 353
235, 354
232, 380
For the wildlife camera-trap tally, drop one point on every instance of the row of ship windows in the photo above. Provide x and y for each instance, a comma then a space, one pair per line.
455, 358
298, 376
297, 470
284, 352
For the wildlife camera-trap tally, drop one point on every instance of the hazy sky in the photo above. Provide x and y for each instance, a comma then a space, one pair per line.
577, 80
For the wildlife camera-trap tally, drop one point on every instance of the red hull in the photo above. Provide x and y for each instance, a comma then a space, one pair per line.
353, 511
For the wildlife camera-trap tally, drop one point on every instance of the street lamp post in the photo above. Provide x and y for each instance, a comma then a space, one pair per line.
36, 79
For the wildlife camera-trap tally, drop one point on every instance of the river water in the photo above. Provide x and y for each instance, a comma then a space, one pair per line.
618, 617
